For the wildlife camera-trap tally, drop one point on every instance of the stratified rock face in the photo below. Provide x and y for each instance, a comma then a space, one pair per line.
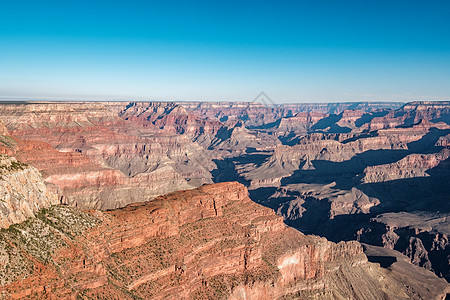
422, 236
413, 113
107, 155
257, 114
413, 165
328, 169
237, 139
208, 243
22, 192
429, 110
302, 122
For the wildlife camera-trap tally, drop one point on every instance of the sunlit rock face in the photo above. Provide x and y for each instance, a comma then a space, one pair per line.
327, 169
107, 155
22, 192
212, 242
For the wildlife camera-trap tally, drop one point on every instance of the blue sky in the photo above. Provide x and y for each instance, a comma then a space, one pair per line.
295, 51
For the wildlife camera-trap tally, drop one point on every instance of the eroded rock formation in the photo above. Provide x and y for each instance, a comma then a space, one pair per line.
328, 169
212, 242
22, 192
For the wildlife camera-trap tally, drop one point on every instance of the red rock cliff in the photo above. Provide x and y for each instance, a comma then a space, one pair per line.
212, 242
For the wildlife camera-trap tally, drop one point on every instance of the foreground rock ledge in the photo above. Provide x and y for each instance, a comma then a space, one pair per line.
208, 243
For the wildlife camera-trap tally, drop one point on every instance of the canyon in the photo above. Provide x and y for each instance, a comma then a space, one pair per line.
212, 242
105, 181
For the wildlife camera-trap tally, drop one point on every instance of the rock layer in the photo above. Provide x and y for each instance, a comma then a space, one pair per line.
22, 192
107, 155
212, 242
328, 169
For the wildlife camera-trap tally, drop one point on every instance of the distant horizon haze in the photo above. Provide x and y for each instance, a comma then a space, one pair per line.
32, 99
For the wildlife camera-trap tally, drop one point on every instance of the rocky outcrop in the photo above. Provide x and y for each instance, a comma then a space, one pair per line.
413, 165
22, 192
172, 118
413, 113
423, 237
238, 140
434, 111
302, 122
211, 242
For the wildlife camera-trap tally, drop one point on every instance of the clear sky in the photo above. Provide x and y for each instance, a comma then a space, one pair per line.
295, 51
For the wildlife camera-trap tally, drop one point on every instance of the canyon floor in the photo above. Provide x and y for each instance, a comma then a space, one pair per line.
232, 200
